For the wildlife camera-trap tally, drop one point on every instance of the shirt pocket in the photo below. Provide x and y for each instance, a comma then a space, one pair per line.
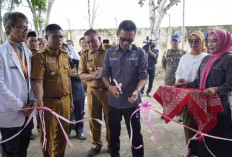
169, 60
178, 59
52, 72
132, 69
67, 70
134, 63
90, 66
216, 76
51, 67
115, 65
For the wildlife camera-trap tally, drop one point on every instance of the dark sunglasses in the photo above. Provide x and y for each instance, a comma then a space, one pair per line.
126, 40
191, 41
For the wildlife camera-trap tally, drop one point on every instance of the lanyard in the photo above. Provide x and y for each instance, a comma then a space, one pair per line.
25, 70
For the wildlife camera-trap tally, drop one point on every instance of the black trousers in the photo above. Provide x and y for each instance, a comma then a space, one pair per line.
78, 114
151, 74
16, 147
24, 138
115, 117
10, 148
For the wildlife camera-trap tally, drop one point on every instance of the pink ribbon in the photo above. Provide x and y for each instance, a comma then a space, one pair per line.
29, 119
145, 107
119, 86
41, 114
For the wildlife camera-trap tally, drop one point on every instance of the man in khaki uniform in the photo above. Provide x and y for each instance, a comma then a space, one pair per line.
90, 68
51, 74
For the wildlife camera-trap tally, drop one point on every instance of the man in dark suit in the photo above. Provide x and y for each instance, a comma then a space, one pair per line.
78, 97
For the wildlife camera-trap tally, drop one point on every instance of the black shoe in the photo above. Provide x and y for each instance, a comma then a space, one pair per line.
180, 119
93, 152
108, 150
148, 95
32, 136
81, 136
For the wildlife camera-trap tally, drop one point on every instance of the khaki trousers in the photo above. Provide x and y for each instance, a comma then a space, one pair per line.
56, 142
98, 102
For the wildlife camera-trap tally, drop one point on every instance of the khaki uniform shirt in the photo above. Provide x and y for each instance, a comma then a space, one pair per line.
170, 63
54, 69
88, 64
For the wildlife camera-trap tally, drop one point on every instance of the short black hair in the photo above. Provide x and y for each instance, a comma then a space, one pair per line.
31, 34
82, 38
52, 27
127, 25
90, 31
11, 18
106, 41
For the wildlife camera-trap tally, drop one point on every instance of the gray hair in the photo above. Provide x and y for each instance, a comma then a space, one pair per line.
11, 18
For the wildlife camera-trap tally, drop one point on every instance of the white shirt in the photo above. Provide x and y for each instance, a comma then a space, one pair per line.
188, 66
73, 54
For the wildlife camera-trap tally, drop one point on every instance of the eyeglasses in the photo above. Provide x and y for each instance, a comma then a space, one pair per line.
60, 37
126, 40
191, 41
22, 28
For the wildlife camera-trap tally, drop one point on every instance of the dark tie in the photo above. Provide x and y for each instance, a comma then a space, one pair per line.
20, 51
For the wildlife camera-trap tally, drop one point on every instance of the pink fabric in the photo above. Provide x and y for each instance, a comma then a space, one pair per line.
225, 44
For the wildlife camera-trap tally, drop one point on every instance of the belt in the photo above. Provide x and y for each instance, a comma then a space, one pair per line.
99, 88
59, 97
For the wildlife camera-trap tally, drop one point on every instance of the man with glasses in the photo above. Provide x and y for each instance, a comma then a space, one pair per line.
15, 85
52, 86
89, 70
127, 64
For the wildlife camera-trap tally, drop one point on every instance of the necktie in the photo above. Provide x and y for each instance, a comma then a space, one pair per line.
21, 51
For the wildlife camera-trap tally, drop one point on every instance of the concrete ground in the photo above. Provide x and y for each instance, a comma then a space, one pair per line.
170, 137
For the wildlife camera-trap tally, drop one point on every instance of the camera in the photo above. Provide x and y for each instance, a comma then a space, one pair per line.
149, 42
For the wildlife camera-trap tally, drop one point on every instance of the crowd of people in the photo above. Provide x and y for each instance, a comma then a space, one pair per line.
46, 72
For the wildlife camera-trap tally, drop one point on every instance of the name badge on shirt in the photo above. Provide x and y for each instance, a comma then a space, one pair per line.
89, 60
113, 59
132, 59
50, 61
14, 67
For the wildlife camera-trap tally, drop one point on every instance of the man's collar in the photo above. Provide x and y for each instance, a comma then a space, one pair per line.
51, 52
101, 49
132, 47
16, 44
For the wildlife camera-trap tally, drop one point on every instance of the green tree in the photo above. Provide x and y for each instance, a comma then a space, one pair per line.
157, 10
40, 10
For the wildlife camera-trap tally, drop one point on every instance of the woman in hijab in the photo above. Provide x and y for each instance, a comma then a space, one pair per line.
187, 70
215, 77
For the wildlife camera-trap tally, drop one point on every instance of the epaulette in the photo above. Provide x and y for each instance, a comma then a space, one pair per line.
63, 51
84, 52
